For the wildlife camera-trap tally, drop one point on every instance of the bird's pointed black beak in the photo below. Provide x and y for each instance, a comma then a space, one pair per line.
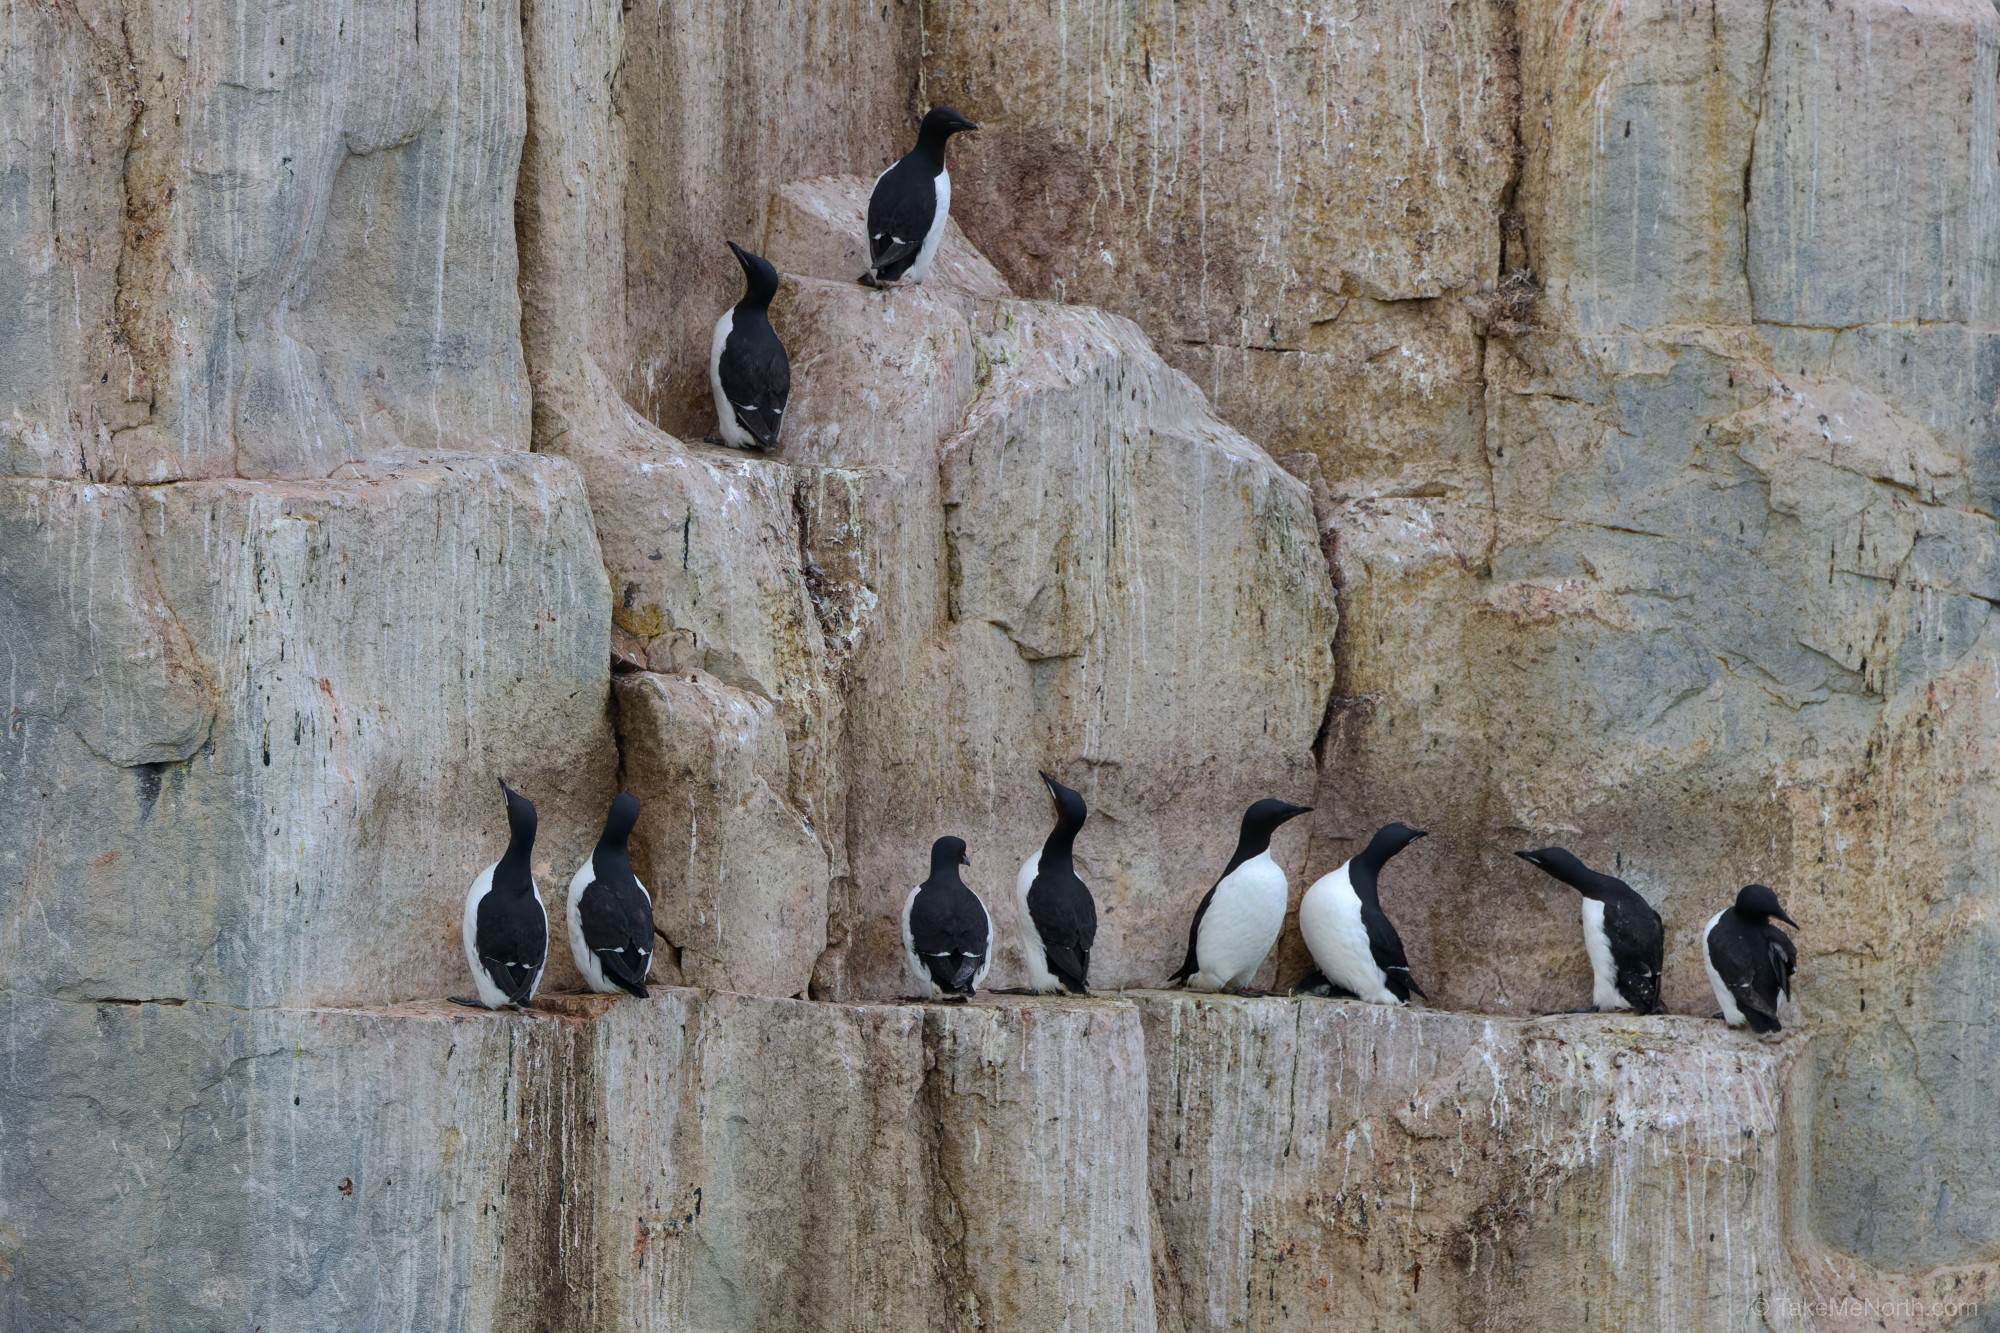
964, 859
1786, 917
1529, 857
1416, 833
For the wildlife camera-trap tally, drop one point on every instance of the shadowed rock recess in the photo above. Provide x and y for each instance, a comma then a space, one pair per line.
1537, 422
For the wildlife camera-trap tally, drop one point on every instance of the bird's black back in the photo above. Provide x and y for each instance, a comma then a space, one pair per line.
511, 932
1638, 941
618, 925
948, 927
756, 375
1065, 916
901, 209
1755, 960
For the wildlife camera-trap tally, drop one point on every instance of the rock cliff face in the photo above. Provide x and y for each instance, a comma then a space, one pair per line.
1535, 421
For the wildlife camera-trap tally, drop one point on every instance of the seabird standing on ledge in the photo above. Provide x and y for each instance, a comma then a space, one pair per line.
747, 367
947, 932
1750, 961
909, 205
1621, 932
1058, 915
506, 930
1238, 921
1353, 944
610, 912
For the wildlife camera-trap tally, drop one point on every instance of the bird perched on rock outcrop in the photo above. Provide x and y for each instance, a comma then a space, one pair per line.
747, 368
1238, 920
1621, 932
1353, 944
1749, 960
1058, 915
908, 207
947, 931
506, 931
610, 912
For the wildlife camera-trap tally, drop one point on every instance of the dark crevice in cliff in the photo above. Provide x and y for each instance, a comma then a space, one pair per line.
954, 1274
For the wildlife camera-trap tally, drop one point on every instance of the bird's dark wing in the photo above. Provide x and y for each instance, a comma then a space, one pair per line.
1746, 961
1387, 947
512, 937
1638, 942
756, 377
948, 920
900, 212
1191, 964
1784, 956
619, 930
1066, 919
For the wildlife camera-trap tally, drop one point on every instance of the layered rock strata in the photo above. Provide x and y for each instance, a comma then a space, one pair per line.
716, 1161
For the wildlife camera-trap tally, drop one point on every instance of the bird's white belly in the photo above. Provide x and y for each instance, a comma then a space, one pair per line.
726, 426
1603, 971
1330, 921
1241, 925
1032, 953
1732, 1013
920, 268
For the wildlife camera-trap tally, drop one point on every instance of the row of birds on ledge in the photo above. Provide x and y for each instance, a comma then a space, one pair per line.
948, 933
748, 371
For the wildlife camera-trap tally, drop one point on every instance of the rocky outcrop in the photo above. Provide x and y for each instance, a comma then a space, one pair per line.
260, 246
1601, 450
255, 727
707, 1160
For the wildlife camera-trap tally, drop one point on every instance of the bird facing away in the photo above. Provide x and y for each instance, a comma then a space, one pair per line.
1353, 944
506, 931
747, 368
1058, 915
1749, 960
1621, 932
1238, 920
908, 207
947, 932
610, 912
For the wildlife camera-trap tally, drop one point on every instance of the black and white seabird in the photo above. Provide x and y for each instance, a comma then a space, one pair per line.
908, 207
1238, 920
1621, 932
1354, 945
1058, 915
747, 367
946, 930
610, 912
1750, 961
506, 930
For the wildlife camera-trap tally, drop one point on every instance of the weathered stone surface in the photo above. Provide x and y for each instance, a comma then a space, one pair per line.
831, 1167
819, 228
715, 1161
1053, 588
738, 874
1859, 218
257, 765
304, 1168
720, 106
1637, 129
699, 1161
1318, 1163
1248, 185
281, 242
